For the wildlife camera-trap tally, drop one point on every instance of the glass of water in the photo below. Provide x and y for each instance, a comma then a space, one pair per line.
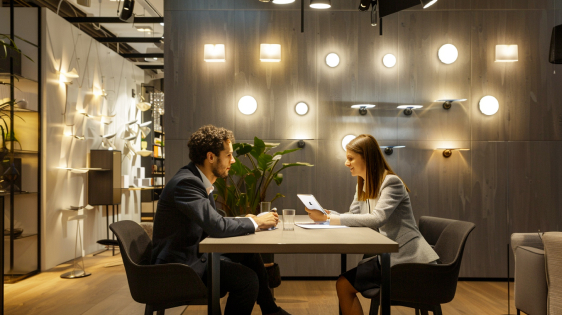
288, 219
265, 207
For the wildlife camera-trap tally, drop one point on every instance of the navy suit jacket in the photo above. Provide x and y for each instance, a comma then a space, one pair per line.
185, 215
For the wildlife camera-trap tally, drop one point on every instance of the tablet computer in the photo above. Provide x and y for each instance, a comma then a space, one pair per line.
311, 202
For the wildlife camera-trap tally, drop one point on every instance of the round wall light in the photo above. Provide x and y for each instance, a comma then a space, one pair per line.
301, 108
247, 105
448, 54
389, 60
332, 60
489, 105
347, 140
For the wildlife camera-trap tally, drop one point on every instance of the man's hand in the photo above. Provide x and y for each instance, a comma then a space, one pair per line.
267, 221
316, 215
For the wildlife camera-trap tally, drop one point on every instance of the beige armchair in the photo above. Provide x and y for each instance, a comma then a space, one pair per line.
537, 274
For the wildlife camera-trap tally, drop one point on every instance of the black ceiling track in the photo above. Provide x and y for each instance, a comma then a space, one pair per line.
151, 67
107, 19
128, 39
155, 55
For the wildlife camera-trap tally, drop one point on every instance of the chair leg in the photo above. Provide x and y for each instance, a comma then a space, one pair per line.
517, 312
437, 310
148, 310
161, 312
423, 312
374, 306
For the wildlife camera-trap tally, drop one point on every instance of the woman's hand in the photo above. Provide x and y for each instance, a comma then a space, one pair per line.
316, 215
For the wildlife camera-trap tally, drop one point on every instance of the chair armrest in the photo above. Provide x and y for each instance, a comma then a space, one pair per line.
525, 239
552, 245
424, 283
158, 284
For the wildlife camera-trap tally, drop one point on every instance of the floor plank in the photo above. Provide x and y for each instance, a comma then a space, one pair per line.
106, 292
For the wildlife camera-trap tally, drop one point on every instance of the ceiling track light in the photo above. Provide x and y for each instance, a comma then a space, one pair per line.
127, 11
427, 3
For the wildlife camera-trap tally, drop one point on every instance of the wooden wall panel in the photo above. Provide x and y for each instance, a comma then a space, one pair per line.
485, 252
525, 112
198, 92
174, 157
276, 86
423, 78
182, 5
512, 4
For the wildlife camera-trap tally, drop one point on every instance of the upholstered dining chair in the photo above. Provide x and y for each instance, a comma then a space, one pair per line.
425, 287
158, 286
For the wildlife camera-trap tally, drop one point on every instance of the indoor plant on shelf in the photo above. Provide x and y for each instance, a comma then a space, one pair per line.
245, 187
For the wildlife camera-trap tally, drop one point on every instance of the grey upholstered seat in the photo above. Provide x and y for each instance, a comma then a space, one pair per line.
158, 286
426, 286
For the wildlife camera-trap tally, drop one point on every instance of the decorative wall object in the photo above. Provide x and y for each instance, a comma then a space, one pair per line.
301, 108
389, 60
488, 105
408, 108
506, 53
346, 140
332, 60
363, 108
270, 52
214, 53
247, 105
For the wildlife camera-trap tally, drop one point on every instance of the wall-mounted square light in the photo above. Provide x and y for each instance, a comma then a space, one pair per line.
214, 53
270, 52
506, 53
145, 29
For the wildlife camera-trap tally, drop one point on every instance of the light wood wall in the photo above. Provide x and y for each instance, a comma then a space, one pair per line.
510, 180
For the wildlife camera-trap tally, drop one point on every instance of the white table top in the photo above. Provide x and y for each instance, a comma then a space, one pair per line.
355, 240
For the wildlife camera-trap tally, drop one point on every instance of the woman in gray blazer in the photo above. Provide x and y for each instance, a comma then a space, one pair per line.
382, 203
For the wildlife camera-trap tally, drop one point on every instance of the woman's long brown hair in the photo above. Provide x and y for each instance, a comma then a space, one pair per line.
376, 165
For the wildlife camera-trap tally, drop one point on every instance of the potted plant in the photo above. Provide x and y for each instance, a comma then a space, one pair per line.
246, 186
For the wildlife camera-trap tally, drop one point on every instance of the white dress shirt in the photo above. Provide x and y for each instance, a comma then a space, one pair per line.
209, 187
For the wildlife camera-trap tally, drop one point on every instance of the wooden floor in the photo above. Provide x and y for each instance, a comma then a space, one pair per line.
106, 292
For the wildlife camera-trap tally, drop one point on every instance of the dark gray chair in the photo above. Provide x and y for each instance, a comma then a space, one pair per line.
158, 286
425, 287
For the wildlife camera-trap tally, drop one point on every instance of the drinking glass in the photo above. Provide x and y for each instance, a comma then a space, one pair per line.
288, 219
265, 207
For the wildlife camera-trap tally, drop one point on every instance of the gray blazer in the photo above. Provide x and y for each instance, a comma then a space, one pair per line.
392, 214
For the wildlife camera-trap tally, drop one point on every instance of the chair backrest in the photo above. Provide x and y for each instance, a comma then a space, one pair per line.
447, 236
135, 244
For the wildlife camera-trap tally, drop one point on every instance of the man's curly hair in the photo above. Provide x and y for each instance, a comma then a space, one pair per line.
208, 139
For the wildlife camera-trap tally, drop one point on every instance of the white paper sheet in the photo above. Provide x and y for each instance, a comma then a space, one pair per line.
320, 226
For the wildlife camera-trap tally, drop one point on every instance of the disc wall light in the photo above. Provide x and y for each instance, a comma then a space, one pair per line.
332, 60
448, 54
389, 60
347, 140
488, 105
301, 108
247, 105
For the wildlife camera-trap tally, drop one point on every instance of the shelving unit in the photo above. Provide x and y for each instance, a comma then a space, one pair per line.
21, 206
154, 165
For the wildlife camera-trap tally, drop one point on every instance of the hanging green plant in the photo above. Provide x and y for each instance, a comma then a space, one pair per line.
245, 187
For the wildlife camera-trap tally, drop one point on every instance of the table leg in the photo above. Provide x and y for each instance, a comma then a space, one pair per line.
342, 263
213, 284
385, 294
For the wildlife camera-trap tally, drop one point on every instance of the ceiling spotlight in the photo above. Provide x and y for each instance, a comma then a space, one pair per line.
364, 5
332, 60
408, 108
363, 108
448, 54
448, 102
301, 108
127, 12
389, 60
347, 140
427, 3
320, 4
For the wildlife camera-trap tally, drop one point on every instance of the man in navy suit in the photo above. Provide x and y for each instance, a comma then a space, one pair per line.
186, 215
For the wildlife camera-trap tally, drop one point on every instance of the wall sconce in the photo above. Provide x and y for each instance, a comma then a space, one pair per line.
145, 124
100, 92
427, 3
301, 108
270, 52
506, 53
448, 54
332, 60
130, 138
66, 77
69, 132
388, 150
448, 151
347, 140
389, 60
363, 108
408, 108
320, 4
144, 29
247, 105
448, 102
143, 106
283, 1
488, 105
214, 53
105, 141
